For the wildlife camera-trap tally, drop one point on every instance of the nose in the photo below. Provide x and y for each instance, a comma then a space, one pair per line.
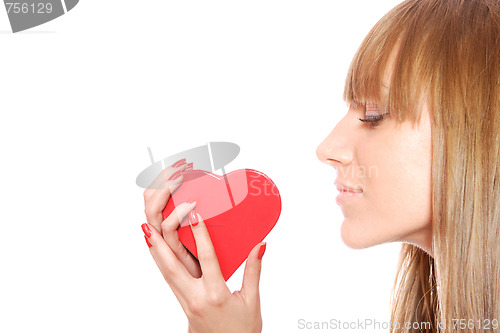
337, 148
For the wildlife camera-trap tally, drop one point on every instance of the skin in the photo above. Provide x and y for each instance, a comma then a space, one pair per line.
391, 163
199, 286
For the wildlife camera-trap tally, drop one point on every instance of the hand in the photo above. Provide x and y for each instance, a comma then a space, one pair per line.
155, 200
207, 302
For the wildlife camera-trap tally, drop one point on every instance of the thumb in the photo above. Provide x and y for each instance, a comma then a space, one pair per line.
251, 276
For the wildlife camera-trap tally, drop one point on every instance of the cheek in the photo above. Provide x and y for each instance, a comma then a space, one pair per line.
397, 198
400, 195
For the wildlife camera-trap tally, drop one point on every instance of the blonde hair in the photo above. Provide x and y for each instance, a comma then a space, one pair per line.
446, 53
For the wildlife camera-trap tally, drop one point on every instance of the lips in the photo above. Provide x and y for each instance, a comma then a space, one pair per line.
341, 187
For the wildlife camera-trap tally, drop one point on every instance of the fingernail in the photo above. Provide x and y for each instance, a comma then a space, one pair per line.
147, 241
175, 175
179, 163
189, 166
261, 251
146, 230
193, 218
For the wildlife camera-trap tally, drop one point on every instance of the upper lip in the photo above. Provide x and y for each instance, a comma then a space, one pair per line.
343, 187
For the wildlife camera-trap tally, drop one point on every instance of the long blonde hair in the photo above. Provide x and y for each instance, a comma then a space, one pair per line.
447, 53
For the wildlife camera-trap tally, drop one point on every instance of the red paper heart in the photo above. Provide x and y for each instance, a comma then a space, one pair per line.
239, 210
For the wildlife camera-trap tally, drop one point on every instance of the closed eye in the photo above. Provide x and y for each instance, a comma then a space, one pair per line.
373, 120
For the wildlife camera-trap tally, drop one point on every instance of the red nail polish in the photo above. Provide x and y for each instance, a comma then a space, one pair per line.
147, 231
179, 163
147, 241
193, 218
175, 175
261, 251
189, 166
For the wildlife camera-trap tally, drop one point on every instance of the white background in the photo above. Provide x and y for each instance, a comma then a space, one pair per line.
83, 96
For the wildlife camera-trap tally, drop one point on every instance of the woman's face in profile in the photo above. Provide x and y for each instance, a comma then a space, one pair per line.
391, 165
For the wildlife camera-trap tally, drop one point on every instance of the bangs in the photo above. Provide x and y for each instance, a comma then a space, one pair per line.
388, 68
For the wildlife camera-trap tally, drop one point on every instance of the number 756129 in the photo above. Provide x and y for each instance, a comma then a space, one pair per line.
25, 8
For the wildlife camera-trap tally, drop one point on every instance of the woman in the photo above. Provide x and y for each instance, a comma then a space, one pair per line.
416, 156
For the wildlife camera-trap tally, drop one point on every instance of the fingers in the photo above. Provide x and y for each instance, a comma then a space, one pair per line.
157, 195
251, 276
161, 180
176, 275
209, 263
169, 231
171, 223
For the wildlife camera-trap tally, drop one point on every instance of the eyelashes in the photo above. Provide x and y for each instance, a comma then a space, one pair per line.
373, 120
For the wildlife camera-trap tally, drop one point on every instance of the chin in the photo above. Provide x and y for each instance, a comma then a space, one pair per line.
353, 239
362, 236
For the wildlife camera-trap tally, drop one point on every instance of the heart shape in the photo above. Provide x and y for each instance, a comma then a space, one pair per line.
239, 210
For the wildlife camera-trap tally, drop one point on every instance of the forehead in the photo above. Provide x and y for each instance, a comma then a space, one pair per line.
381, 72
384, 80
370, 74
